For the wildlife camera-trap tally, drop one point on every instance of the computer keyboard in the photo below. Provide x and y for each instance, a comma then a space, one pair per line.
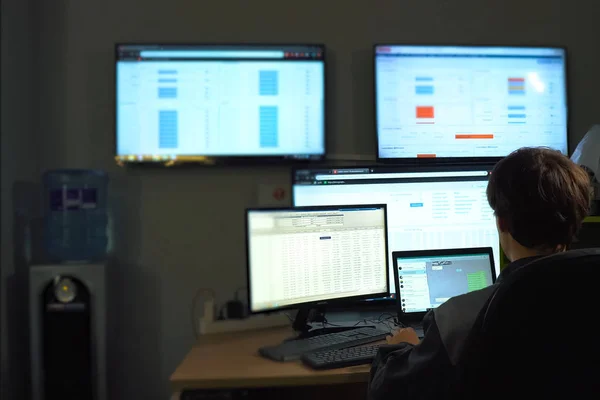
294, 349
341, 358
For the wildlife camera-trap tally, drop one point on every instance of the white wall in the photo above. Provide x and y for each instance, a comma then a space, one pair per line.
178, 230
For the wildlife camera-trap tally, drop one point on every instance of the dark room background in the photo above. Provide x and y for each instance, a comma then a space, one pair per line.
180, 230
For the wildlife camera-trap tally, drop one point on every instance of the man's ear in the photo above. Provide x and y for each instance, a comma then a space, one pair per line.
501, 224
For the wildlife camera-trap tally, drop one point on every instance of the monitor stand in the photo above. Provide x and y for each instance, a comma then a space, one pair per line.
306, 315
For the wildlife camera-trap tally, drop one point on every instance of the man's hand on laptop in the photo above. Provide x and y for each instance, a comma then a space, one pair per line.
403, 335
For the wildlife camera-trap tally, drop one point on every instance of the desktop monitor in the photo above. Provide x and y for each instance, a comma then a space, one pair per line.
425, 279
436, 103
219, 103
310, 256
428, 207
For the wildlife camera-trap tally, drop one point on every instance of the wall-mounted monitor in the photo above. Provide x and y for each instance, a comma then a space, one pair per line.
428, 207
436, 103
219, 103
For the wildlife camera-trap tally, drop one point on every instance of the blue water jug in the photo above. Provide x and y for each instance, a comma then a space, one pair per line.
76, 215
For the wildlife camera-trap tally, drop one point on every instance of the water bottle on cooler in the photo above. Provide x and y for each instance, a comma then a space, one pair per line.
76, 215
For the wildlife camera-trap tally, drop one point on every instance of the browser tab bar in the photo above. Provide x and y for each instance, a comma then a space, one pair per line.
401, 175
210, 54
351, 171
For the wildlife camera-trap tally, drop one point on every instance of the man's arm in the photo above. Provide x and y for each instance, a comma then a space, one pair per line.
409, 371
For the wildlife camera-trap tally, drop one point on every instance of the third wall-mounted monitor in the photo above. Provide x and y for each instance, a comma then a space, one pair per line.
468, 102
428, 207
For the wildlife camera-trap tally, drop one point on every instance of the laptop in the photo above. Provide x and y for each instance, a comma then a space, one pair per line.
425, 279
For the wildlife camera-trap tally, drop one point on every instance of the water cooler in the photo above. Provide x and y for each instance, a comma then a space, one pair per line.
67, 311
67, 295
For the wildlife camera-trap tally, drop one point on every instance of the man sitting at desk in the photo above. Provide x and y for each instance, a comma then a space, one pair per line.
539, 198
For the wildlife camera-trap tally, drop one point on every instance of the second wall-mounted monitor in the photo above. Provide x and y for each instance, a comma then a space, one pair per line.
219, 103
468, 102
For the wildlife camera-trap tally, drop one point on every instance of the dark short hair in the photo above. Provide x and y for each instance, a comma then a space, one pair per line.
541, 196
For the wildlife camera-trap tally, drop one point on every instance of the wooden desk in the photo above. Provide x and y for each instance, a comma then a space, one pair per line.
231, 361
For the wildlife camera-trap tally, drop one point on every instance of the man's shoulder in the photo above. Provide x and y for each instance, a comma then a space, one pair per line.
468, 302
456, 318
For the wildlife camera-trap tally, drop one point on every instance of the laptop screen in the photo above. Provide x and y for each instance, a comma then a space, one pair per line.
426, 279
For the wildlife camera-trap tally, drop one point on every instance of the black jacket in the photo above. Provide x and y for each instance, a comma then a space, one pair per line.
427, 370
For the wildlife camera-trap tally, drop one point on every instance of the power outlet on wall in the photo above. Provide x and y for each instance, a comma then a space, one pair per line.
273, 195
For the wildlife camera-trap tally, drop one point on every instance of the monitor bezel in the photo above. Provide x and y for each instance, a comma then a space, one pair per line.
330, 303
388, 301
210, 161
454, 160
418, 315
